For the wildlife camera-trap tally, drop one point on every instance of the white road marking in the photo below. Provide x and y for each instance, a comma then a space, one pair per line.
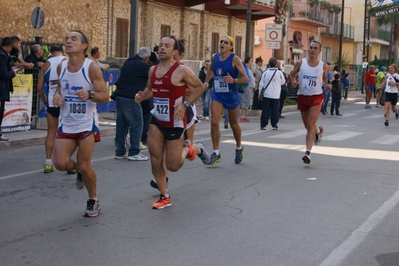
338, 255
330, 151
386, 140
41, 170
289, 135
376, 116
343, 135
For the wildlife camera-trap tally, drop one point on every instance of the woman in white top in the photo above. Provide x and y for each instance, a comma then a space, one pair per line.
391, 83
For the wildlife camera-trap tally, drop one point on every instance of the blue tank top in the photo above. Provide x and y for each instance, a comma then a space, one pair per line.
220, 69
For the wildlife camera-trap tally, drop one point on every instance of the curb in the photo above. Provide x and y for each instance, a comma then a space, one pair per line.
291, 108
39, 140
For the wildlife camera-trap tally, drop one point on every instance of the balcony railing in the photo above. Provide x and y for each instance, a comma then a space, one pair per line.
312, 12
380, 34
265, 2
349, 31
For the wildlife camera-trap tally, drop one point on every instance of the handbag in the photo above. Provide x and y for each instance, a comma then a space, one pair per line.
260, 97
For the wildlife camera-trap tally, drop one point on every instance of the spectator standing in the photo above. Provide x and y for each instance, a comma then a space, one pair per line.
326, 92
16, 59
270, 84
336, 92
129, 115
35, 57
369, 81
283, 93
248, 89
258, 74
95, 56
206, 95
7, 73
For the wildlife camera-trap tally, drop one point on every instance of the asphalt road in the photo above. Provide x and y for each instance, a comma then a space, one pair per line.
270, 210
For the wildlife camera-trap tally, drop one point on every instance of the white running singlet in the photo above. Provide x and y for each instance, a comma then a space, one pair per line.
51, 78
76, 116
310, 79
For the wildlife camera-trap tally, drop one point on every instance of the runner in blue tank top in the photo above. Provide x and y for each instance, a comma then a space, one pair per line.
225, 69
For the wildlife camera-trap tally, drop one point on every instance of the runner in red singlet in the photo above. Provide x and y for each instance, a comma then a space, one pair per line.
167, 85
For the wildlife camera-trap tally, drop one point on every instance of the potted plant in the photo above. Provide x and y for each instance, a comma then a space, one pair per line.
302, 13
336, 9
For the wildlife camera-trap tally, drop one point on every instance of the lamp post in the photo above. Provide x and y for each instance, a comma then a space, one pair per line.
134, 14
366, 34
341, 35
248, 33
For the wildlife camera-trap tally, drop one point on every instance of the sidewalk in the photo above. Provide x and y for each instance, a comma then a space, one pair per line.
107, 125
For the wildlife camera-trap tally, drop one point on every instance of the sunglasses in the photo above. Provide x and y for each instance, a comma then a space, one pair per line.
313, 47
224, 41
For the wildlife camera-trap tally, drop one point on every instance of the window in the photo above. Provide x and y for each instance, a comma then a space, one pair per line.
237, 48
165, 30
122, 37
326, 54
215, 43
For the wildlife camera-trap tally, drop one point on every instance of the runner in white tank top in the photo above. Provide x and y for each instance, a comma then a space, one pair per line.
48, 76
80, 87
77, 115
310, 79
312, 75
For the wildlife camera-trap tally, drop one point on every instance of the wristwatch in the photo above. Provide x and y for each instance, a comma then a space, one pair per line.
186, 104
91, 94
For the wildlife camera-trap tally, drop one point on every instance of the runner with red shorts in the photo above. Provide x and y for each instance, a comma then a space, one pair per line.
312, 75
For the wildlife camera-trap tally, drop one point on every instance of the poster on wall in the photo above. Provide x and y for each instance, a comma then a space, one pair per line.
17, 113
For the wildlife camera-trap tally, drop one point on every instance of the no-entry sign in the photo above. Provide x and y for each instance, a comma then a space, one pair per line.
274, 32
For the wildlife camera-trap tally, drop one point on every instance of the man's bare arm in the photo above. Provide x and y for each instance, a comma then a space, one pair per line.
100, 89
147, 93
192, 81
40, 82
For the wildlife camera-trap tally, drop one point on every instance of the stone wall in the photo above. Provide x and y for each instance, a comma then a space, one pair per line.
97, 19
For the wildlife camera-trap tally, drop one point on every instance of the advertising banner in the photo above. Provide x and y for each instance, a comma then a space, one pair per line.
17, 112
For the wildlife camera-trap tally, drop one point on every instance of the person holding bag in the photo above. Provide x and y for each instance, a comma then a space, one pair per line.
271, 82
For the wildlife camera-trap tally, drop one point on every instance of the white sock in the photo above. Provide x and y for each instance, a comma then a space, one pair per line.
239, 148
217, 152
49, 161
96, 199
318, 130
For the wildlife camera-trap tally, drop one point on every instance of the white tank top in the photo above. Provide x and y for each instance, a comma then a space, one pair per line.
51, 78
76, 116
310, 79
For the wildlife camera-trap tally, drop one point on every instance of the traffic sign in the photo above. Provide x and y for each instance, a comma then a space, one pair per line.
273, 45
274, 32
37, 18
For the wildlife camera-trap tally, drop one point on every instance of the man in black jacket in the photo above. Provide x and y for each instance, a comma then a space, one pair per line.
133, 78
6, 75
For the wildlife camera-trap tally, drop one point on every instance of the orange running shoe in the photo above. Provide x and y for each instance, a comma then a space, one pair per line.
191, 153
162, 203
